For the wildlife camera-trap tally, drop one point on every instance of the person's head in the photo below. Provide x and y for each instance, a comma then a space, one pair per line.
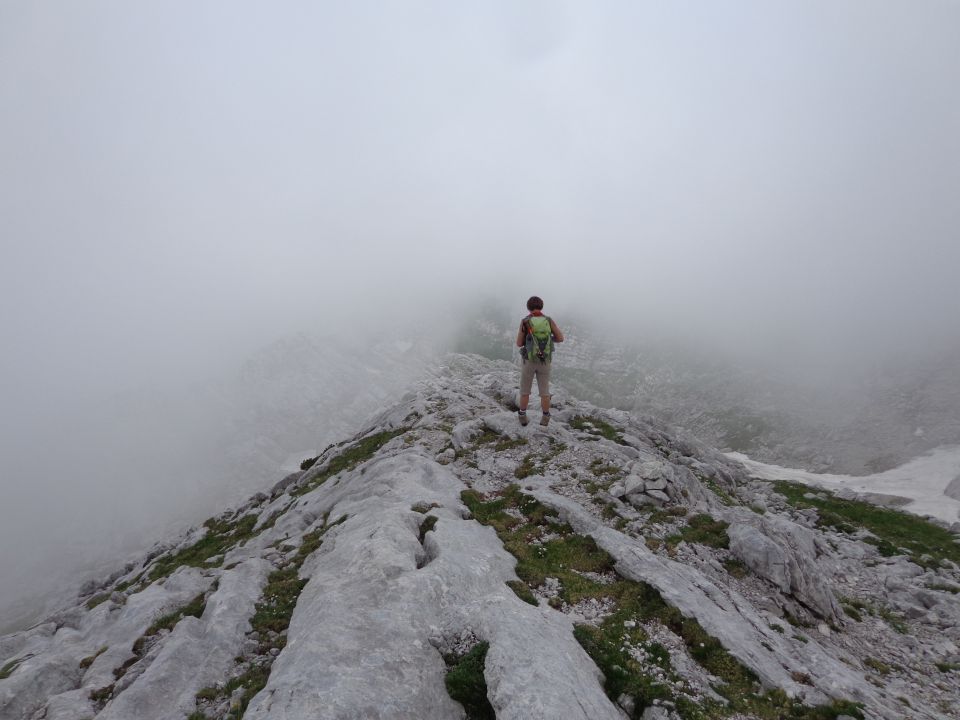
534, 303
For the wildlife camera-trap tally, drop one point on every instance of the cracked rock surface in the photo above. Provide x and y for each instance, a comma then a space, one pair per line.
347, 590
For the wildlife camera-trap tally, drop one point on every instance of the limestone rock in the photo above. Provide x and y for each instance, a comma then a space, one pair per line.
785, 554
397, 572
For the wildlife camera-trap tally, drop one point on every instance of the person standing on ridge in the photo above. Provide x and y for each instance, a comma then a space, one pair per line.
535, 339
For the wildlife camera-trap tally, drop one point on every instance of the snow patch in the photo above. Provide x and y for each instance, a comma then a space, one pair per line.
926, 480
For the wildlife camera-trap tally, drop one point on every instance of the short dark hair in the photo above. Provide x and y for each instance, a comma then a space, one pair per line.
534, 303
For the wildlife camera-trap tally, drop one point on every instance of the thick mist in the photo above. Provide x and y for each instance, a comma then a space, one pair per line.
184, 185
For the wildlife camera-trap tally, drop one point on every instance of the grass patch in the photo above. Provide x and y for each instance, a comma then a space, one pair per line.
724, 497
193, 608
600, 468
944, 587
252, 681
428, 524
487, 435
466, 684
221, 536
522, 591
592, 425
947, 667
510, 443
669, 514
530, 465
7, 670
278, 600
101, 695
88, 661
609, 643
97, 600
895, 532
703, 530
893, 619
122, 587
851, 612
351, 456
879, 666
270, 620
736, 568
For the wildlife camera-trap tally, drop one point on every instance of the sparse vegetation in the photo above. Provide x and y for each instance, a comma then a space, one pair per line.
670, 514
600, 468
704, 530
466, 684
736, 568
221, 536
122, 587
894, 532
944, 587
429, 522
276, 604
855, 609
88, 661
592, 425
354, 454
194, 608
879, 666
270, 620
724, 497
528, 466
7, 670
510, 443
565, 555
487, 435
97, 600
101, 695
523, 591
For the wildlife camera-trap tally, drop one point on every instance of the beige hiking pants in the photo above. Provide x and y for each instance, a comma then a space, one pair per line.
539, 369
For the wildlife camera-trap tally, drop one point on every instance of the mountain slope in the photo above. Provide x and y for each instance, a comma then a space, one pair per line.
446, 558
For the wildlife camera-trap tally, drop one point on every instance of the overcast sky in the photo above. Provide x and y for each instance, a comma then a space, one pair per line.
179, 177
181, 182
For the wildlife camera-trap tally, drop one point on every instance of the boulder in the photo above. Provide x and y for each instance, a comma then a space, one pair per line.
658, 495
633, 484
658, 484
641, 499
785, 554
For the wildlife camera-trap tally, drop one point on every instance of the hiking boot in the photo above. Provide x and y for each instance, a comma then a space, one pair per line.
545, 419
523, 417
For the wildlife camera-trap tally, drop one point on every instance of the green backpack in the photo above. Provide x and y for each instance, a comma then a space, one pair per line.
539, 342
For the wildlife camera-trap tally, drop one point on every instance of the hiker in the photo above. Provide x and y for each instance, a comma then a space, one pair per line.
535, 339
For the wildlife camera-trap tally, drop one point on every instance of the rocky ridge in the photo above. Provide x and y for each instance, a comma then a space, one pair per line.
601, 567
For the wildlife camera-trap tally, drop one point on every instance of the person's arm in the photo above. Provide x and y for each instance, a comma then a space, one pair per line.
557, 335
522, 334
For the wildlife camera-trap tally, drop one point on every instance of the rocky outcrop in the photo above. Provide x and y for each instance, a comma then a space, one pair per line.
953, 489
785, 554
350, 589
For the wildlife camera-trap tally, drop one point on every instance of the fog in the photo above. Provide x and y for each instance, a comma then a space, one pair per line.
183, 184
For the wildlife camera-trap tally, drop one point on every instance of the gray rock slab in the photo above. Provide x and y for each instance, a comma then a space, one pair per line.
198, 652
72, 705
360, 639
727, 616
